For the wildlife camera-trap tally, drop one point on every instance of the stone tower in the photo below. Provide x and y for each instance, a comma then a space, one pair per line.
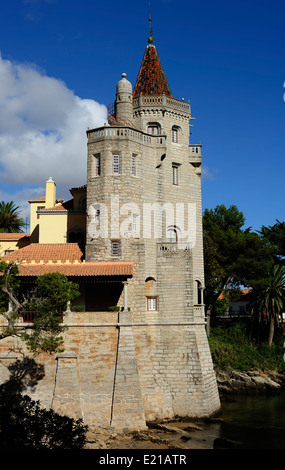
144, 206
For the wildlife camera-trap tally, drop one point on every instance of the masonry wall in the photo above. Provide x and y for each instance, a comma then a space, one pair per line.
118, 373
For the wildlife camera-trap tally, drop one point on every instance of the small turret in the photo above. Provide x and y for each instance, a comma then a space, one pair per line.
124, 101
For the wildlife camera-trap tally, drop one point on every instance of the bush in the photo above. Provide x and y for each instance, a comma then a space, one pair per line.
25, 425
232, 346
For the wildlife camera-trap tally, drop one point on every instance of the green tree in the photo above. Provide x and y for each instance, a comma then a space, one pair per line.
10, 222
233, 256
274, 235
48, 299
268, 300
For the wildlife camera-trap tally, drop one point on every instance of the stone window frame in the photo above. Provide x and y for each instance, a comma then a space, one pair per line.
175, 173
116, 248
134, 164
154, 126
149, 301
98, 164
116, 164
176, 134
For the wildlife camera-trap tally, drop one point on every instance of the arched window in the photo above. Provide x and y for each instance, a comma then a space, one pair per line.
151, 295
198, 300
172, 235
175, 134
153, 128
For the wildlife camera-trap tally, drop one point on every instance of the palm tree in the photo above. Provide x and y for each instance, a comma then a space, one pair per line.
268, 301
9, 218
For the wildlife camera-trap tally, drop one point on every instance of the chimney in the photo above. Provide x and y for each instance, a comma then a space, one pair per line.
50, 193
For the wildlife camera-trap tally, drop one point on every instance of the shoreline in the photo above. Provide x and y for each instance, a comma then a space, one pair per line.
191, 433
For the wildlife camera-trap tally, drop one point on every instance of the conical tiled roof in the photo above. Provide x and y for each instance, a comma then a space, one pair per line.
151, 78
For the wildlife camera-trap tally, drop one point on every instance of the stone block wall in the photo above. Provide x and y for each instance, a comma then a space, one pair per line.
120, 374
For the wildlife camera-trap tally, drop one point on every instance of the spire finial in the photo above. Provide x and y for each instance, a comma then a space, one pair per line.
150, 39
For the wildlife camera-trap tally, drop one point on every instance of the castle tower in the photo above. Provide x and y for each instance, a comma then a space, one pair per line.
144, 206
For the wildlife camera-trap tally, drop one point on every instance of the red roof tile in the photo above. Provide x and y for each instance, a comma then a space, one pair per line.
38, 199
100, 269
151, 79
13, 236
59, 208
46, 252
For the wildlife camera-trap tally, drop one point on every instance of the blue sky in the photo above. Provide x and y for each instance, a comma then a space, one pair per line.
60, 62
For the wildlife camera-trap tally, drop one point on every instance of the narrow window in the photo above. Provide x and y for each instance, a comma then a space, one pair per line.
134, 170
116, 166
116, 248
151, 304
174, 134
98, 165
175, 175
38, 208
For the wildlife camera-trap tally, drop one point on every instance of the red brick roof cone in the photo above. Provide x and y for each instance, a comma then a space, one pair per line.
151, 79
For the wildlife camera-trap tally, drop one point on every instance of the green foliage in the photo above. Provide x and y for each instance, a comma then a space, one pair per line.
233, 256
232, 346
78, 308
222, 305
115, 308
267, 299
274, 235
10, 222
24, 424
49, 301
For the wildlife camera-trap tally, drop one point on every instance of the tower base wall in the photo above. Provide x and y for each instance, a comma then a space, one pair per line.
119, 375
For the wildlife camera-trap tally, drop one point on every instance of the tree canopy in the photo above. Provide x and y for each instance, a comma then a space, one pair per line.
10, 222
47, 299
268, 300
234, 256
274, 235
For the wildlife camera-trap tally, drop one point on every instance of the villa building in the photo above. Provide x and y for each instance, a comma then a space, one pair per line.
132, 239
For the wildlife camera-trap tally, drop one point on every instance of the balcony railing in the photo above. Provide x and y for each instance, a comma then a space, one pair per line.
169, 247
28, 316
126, 132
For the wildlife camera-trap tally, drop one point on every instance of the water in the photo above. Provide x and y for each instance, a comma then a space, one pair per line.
254, 422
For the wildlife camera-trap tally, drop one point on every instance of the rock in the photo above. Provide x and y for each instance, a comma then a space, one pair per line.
235, 381
266, 382
140, 436
193, 427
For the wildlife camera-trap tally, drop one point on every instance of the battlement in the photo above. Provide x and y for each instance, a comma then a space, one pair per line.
162, 101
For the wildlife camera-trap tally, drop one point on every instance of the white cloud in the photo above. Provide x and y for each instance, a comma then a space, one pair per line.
42, 128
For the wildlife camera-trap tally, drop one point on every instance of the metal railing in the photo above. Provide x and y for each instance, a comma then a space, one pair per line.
169, 247
28, 316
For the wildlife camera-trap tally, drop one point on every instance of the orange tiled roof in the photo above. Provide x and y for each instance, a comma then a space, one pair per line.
46, 252
43, 199
59, 207
100, 269
38, 259
242, 292
38, 199
13, 236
